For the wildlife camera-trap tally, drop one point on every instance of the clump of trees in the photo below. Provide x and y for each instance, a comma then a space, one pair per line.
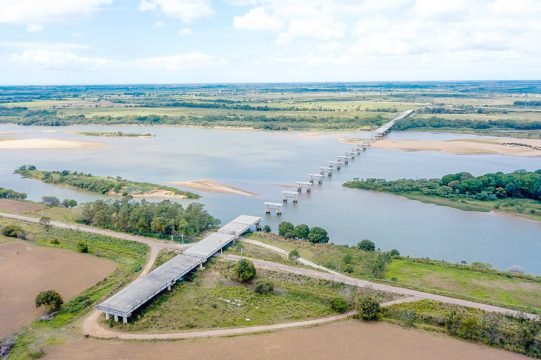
366, 245
488, 187
438, 123
51, 299
316, 235
11, 194
244, 270
162, 219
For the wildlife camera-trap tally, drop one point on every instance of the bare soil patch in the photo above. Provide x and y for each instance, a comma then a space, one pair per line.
46, 143
346, 340
208, 185
27, 269
20, 206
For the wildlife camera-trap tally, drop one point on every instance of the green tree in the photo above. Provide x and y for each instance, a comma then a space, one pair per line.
267, 229
339, 304
294, 255
50, 299
368, 308
244, 270
301, 231
366, 245
318, 235
377, 265
286, 229
51, 201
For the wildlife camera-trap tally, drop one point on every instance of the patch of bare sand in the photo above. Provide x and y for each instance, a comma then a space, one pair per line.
19, 206
500, 146
208, 185
27, 269
158, 193
46, 143
347, 340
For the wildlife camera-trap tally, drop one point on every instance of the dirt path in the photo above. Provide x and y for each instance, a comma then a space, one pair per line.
345, 340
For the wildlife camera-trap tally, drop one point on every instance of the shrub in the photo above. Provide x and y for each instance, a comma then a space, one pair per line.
394, 253
267, 229
264, 287
368, 308
294, 255
301, 231
55, 242
14, 231
82, 247
348, 268
366, 245
244, 270
340, 305
50, 299
50, 201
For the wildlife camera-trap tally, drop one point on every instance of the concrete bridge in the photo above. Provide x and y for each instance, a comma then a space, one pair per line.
386, 128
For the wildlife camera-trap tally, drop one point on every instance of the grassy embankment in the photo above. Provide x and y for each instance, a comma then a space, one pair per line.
496, 330
104, 185
129, 257
472, 282
211, 298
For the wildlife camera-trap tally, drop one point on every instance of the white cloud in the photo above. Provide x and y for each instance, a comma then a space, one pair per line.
59, 60
178, 62
256, 19
185, 10
36, 12
158, 24
185, 32
34, 28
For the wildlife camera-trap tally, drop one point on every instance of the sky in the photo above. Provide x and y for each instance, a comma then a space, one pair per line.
46, 42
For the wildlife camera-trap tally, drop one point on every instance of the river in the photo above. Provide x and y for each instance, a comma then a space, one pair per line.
268, 162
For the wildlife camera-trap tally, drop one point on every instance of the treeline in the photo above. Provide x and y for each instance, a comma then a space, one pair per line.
97, 184
163, 219
517, 334
315, 235
11, 194
518, 184
436, 123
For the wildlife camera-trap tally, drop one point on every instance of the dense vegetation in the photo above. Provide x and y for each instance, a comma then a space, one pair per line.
164, 219
507, 332
519, 184
316, 234
98, 184
11, 194
440, 123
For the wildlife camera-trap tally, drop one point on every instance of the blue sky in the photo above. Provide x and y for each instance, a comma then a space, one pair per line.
207, 41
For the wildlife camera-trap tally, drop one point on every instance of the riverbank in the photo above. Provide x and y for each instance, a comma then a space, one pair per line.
212, 186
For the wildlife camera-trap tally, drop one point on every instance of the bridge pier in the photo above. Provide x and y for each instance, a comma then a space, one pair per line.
277, 207
319, 178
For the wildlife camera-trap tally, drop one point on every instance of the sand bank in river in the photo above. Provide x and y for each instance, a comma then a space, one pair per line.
208, 185
46, 143
499, 146
158, 193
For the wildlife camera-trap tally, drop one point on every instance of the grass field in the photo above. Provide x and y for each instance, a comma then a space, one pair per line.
212, 299
504, 289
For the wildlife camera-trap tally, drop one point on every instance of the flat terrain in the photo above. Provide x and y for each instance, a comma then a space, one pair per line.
343, 340
27, 269
19, 206
46, 143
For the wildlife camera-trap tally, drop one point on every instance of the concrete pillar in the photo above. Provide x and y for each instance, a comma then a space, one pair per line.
169, 288
125, 318
201, 266
221, 251
107, 316
116, 318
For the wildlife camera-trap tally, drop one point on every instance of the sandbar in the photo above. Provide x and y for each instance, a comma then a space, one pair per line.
208, 185
496, 146
46, 143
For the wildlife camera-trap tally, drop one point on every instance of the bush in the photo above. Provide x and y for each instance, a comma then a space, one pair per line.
244, 270
294, 255
267, 229
50, 299
340, 305
82, 247
55, 242
368, 308
394, 253
366, 245
318, 235
264, 287
301, 231
348, 268
50, 201
14, 231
